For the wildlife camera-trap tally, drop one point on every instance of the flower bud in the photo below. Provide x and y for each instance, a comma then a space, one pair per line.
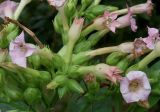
34, 61
58, 61
70, 8
127, 47
75, 29
46, 56
143, 8
86, 2
58, 80
114, 58
124, 63
8, 33
80, 58
13, 93
62, 91
82, 46
74, 86
58, 26
32, 95
94, 11
45, 76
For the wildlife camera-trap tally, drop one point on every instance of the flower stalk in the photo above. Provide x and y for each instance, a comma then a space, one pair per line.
20, 8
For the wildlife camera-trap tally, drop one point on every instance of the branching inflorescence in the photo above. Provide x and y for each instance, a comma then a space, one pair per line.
37, 76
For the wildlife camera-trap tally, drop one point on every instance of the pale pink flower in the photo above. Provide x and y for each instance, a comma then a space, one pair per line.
143, 8
19, 50
111, 73
7, 8
135, 87
152, 39
56, 3
110, 21
127, 20
107, 20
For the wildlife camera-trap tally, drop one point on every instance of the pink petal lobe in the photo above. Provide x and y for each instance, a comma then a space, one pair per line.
21, 61
30, 49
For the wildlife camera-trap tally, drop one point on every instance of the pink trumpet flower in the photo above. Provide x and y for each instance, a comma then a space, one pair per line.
7, 8
135, 87
127, 20
152, 39
19, 50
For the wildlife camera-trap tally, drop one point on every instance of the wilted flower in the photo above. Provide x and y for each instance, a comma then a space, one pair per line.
135, 87
7, 8
56, 3
111, 73
107, 20
89, 78
139, 47
19, 50
153, 37
127, 20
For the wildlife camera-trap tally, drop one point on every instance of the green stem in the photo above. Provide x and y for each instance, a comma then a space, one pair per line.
21, 6
121, 12
87, 30
94, 38
101, 51
69, 52
149, 58
64, 19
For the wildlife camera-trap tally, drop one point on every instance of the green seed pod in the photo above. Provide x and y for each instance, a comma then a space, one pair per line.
46, 56
13, 93
74, 86
62, 91
114, 58
86, 2
124, 63
57, 81
34, 60
7, 34
70, 8
57, 61
97, 10
32, 95
82, 46
45, 76
58, 27
80, 58
12, 35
